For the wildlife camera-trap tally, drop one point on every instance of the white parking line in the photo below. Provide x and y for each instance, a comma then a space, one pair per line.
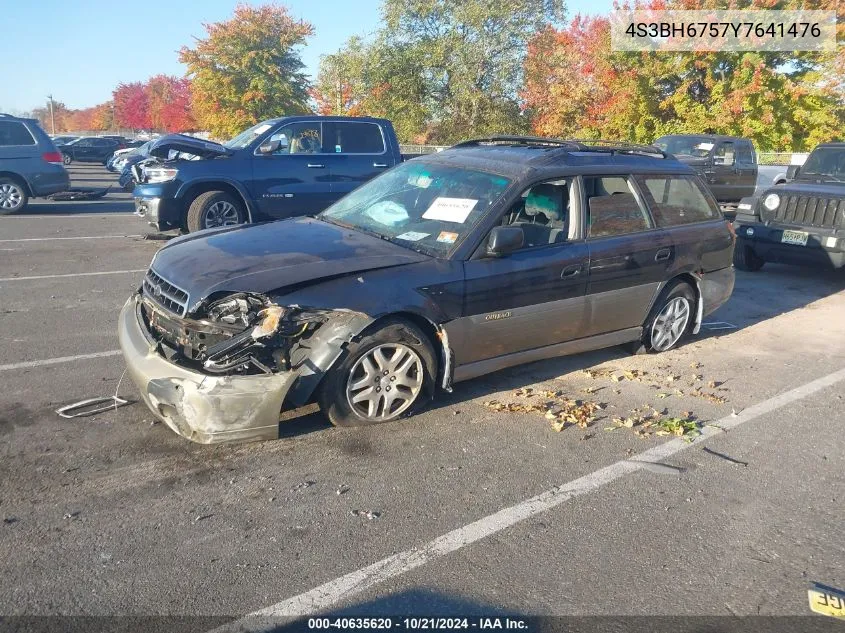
57, 361
85, 237
358, 581
105, 272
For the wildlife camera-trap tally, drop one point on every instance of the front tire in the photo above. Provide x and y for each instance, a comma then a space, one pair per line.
383, 375
13, 196
214, 208
746, 259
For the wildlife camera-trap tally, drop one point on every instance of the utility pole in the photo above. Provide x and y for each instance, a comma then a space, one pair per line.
52, 118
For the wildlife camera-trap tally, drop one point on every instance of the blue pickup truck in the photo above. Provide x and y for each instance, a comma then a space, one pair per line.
280, 168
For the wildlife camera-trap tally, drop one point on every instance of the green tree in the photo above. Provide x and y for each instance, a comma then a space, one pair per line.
247, 69
442, 69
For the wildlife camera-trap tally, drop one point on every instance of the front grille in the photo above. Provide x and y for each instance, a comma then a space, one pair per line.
165, 294
809, 211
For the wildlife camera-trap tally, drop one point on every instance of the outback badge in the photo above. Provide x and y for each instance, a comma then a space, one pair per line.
495, 316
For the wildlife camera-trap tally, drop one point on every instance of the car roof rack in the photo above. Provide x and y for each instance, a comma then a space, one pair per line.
527, 141
570, 145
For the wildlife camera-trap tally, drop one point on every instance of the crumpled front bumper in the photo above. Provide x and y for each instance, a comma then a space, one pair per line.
201, 408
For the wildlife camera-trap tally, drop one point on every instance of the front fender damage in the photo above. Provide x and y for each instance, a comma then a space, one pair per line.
223, 392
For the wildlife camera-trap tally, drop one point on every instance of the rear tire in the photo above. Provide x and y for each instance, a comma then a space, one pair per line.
214, 208
669, 320
13, 196
746, 259
365, 372
67, 160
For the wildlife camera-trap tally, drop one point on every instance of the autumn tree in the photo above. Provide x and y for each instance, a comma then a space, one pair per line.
576, 86
451, 67
248, 68
132, 106
169, 103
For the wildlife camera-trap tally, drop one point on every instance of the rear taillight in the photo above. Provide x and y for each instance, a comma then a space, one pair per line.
52, 157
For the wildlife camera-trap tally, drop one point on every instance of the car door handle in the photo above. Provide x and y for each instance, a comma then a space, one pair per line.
315, 166
570, 271
380, 165
663, 254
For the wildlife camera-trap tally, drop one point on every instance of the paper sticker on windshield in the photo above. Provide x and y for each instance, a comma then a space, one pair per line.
412, 236
446, 237
450, 209
705, 146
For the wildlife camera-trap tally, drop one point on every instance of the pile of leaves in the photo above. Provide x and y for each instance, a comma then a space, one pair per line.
648, 421
561, 411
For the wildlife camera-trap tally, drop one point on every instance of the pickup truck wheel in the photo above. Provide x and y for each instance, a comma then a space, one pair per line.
746, 259
212, 209
12, 196
381, 376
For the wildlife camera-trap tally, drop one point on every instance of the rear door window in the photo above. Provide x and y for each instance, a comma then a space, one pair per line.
745, 155
355, 137
14, 133
676, 200
612, 207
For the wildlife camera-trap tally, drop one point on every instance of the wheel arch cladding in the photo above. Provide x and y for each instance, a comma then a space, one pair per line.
695, 284
333, 341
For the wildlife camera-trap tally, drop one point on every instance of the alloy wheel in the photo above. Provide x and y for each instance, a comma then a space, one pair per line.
670, 324
11, 196
385, 382
221, 213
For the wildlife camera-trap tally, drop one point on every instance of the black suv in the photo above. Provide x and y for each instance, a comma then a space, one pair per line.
493, 253
30, 165
728, 164
801, 222
91, 149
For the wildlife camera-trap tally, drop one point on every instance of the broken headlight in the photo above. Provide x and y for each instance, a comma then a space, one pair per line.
238, 309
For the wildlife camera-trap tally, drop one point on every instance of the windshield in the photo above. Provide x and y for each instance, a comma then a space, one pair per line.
825, 162
696, 146
247, 136
424, 207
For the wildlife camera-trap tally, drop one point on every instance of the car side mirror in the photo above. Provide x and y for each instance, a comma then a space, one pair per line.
270, 147
792, 171
504, 240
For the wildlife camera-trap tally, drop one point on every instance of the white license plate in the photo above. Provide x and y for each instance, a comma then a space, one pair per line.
798, 238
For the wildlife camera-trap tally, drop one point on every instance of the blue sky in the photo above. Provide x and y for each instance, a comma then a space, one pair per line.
79, 51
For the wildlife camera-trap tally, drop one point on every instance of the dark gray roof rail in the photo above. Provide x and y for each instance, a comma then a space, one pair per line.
571, 145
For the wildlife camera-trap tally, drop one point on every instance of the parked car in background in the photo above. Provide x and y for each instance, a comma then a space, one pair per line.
58, 141
726, 163
800, 222
122, 157
90, 149
490, 254
30, 164
280, 168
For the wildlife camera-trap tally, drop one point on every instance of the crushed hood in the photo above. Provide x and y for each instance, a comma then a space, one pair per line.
187, 145
264, 258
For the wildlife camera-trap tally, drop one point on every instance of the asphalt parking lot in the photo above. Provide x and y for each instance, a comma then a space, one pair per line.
463, 509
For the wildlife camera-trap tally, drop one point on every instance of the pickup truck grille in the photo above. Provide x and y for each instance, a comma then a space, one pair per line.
165, 294
809, 211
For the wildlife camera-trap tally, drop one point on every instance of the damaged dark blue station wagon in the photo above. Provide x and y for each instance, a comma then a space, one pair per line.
493, 253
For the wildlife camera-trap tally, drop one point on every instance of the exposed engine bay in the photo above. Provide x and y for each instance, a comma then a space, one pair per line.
239, 334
